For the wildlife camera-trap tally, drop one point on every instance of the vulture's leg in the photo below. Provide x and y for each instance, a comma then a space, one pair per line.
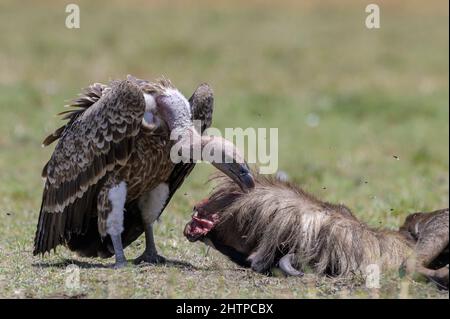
111, 206
121, 261
150, 254
151, 205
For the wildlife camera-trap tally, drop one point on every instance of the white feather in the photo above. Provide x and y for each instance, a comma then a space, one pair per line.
150, 103
151, 117
153, 202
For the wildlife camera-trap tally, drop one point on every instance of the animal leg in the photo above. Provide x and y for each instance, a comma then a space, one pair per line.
441, 276
258, 262
121, 261
285, 265
151, 205
433, 238
150, 254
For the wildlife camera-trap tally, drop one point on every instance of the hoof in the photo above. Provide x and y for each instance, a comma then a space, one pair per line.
258, 267
441, 277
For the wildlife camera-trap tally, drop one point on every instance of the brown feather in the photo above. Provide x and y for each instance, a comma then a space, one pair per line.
68, 179
91, 244
112, 144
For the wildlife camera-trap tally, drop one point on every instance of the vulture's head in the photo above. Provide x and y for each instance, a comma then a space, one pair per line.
176, 111
224, 156
219, 152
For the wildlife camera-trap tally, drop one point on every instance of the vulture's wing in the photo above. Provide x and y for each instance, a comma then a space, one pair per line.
202, 103
97, 138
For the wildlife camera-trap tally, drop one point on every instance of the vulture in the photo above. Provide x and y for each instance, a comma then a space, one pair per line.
111, 174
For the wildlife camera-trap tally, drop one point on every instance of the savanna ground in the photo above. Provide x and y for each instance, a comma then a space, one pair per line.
362, 117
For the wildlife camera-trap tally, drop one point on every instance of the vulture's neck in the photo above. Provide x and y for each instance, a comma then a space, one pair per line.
193, 145
175, 109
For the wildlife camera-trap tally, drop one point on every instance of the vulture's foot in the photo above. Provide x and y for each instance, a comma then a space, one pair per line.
149, 259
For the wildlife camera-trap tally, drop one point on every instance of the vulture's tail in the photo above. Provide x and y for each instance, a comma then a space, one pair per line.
46, 238
57, 228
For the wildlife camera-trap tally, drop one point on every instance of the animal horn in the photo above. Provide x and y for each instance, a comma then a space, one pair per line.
285, 265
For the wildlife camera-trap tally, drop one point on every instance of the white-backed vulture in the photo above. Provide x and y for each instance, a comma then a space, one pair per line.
111, 175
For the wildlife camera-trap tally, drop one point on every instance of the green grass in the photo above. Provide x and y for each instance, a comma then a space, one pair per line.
377, 94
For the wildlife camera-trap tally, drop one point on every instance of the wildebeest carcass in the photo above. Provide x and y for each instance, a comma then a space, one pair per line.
277, 224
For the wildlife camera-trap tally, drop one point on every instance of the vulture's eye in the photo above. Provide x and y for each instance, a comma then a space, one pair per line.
243, 171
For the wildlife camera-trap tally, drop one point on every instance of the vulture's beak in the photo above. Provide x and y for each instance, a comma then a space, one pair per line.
239, 173
232, 163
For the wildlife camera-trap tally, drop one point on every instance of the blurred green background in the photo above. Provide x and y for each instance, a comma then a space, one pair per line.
362, 117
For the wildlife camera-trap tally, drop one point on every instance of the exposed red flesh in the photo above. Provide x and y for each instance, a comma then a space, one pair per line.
201, 224
204, 223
